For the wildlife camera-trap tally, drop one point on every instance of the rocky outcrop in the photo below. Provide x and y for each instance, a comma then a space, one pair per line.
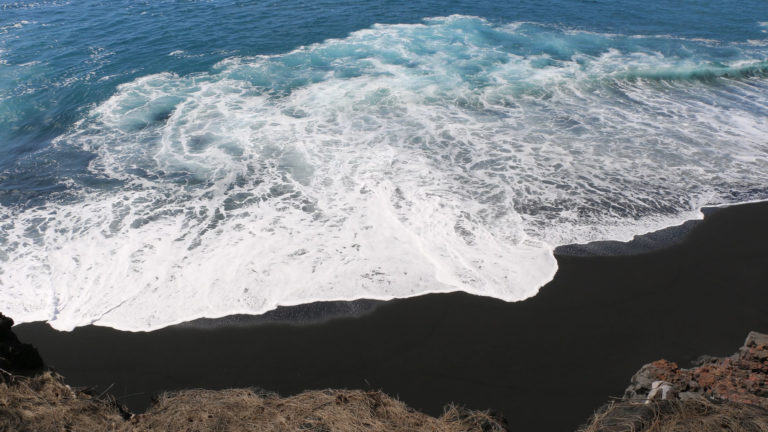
742, 377
16, 357
718, 394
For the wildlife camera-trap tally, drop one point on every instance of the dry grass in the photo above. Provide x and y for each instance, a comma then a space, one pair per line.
679, 416
317, 411
44, 403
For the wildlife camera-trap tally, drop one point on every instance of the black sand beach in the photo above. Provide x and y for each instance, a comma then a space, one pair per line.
545, 363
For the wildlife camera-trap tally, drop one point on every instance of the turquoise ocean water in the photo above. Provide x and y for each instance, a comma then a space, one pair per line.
167, 160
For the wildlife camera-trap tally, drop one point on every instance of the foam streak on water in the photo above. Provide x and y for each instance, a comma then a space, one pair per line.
403, 159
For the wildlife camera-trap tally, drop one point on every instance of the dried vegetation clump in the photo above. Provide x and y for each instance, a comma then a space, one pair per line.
44, 403
319, 411
696, 415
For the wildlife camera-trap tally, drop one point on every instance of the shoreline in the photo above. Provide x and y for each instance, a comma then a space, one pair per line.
730, 392
322, 310
315, 310
574, 343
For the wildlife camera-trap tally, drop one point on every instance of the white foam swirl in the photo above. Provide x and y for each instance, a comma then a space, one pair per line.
401, 160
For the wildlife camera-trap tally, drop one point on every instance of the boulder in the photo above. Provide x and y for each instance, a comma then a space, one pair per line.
15, 357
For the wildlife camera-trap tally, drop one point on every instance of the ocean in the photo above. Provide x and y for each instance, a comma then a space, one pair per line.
163, 161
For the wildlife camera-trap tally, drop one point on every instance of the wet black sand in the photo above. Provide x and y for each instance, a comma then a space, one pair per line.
546, 363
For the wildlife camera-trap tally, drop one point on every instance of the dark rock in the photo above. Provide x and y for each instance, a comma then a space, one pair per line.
690, 395
755, 339
704, 359
16, 357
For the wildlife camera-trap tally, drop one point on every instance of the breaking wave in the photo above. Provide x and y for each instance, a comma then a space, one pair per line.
401, 160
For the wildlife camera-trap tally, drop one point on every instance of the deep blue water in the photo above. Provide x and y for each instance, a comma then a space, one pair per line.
81, 50
485, 128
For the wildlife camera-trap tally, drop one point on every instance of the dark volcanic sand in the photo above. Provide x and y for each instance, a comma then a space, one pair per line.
546, 363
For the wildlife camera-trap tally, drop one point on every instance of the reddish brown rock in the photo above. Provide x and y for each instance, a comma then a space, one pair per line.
742, 377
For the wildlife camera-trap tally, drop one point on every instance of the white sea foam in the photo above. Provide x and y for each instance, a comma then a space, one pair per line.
33, 5
401, 160
18, 25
